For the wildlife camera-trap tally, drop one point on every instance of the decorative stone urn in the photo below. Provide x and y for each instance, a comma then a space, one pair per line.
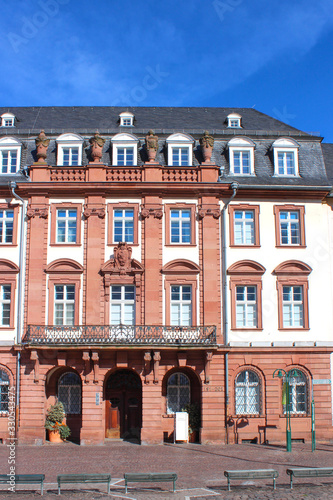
151, 145
41, 145
207, 143
97, 142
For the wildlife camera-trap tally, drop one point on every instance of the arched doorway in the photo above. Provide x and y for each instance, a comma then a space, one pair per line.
123, 395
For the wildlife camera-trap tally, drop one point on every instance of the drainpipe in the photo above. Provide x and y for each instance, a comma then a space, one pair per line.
20, 308
234, 186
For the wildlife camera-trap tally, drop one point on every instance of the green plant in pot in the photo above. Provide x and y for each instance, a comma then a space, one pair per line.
194, 420
54, 423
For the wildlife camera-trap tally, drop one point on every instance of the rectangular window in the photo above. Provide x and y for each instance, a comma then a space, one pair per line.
181, 305
286, 163
70, 156
64, 305
180, 157
5, 297
180, 226
8, 122
242, 163
246, 307
66, 225
125, 156
123, 225
292, 306
122, 305
8, 161
244, 227
289, 227
6, 226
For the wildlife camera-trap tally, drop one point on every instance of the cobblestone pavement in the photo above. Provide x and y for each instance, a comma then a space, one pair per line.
199, 467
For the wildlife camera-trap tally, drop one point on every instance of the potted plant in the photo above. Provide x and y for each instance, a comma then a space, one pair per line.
194, 421
55, 423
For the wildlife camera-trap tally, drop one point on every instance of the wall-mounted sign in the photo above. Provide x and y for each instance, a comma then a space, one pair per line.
97, 399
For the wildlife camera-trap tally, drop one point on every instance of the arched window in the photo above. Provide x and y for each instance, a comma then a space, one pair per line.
297, 393
69, 392
4, 387
247, 393
178, 392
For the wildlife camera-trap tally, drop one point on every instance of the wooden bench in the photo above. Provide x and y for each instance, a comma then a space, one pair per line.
83, 478
153, 477
309, 472
24, 479
251, 474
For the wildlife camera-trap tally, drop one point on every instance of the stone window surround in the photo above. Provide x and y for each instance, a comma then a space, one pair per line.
179, 206
245, 207
124, 205
289, 208
15, 208
72, 206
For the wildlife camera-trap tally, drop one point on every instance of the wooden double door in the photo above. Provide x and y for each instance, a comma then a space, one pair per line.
123, 395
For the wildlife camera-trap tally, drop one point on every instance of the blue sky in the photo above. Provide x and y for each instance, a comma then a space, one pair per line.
274, 55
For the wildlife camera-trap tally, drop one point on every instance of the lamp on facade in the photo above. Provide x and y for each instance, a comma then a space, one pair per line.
280, 373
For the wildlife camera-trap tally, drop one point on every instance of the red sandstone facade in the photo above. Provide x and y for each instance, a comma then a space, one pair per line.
122, 377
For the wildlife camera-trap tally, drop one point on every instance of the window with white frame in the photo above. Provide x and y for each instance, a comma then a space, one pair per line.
126, 119
234, 120
246, 306
289, 227
4, 392
244, 227
5, 297
69, 150
122, 303
6, 226
285, 157
178, 392
292, 306
69, 393
10, 155
180, 150
124, 150
123, 225
181, 305
247, 393
7, 120
180, 226
64, 305
66, 225
297, 394
241, 156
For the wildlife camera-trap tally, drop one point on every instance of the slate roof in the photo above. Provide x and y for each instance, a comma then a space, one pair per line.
105, 118
328, 158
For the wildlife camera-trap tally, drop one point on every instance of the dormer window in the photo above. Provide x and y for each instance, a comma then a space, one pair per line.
7, 120
69, 150
126, 119
234, 120
180, 150
124, 150
285, 157
10, 155
241, 156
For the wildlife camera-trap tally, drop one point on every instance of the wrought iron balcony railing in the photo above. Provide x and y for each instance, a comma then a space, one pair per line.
121, 335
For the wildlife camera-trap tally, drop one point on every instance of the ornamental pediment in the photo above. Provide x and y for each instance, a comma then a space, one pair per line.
122, 262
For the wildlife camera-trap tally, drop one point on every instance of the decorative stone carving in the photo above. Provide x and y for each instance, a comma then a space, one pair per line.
157, 213
86, 359
151, 145
42, 143
97, 142
147, 361
34, 357
122, 257
95, 360
209, 357
40, 212
97, 211
157, 359
214, 212
207, 143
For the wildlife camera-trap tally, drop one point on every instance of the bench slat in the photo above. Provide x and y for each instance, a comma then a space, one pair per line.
151, 477
309, 472
83, 478
25, 479
251, 474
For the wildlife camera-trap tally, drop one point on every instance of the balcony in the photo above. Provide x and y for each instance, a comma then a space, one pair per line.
121, 335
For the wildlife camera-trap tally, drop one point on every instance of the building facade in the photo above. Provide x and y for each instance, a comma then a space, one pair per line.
157, 257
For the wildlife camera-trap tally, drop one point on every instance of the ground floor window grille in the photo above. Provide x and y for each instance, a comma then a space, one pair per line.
69, 392
297, 394
247, 393
178, 392
4, 387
